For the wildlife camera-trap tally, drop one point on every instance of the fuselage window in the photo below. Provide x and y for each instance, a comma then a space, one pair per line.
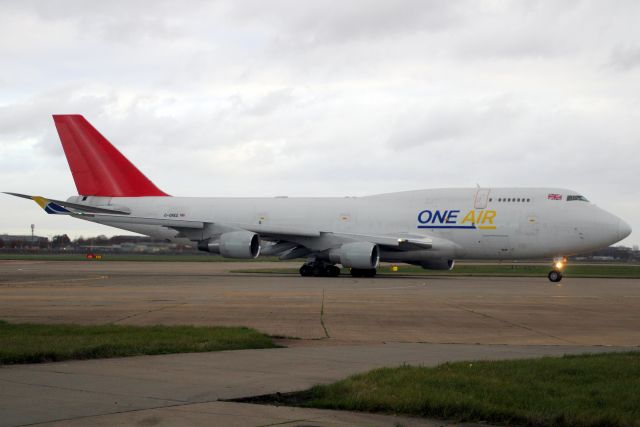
517, 199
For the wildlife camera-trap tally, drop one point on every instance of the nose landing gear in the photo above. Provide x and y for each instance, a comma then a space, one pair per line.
555, 275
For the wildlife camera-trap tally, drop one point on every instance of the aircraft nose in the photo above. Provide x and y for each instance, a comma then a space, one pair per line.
624, 229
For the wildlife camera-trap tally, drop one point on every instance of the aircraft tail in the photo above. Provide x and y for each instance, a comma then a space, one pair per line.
98, 168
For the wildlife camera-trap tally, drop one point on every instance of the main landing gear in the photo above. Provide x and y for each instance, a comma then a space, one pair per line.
319, 269
322, 269
555, 275
363, 272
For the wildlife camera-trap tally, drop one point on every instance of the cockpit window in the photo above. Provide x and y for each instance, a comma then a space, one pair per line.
575, 197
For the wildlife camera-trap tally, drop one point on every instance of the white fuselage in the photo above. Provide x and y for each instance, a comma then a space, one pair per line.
497, 223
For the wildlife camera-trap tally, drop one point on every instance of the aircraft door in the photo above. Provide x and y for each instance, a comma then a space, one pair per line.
482, 197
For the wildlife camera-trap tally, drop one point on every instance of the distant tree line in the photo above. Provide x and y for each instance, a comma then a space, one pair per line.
62, 242
618, 253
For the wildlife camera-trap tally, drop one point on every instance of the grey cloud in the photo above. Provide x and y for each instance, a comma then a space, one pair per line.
451, 123
625, 59
114, 21
509, 46
271, 102
31, 118
313, 23
542, 30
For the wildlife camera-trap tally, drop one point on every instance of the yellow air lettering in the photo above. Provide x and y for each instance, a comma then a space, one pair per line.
488, 216
470, 217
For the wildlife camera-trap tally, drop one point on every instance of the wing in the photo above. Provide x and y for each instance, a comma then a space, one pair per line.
282, 241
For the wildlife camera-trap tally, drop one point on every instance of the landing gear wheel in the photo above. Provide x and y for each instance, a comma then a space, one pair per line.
555, 276
363, 272
319, 270
305, 270
333, 271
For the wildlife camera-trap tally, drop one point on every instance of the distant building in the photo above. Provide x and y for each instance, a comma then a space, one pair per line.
23, 241
602, 258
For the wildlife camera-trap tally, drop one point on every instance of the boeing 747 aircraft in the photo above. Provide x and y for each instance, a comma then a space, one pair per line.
430, 228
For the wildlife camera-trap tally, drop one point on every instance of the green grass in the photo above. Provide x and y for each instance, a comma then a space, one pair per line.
588, 390
129, 257
35, 343
508, 270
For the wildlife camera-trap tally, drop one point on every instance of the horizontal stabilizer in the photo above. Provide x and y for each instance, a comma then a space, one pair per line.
60, 207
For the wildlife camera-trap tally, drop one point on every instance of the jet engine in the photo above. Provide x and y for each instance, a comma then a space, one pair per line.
364, 255
234, 244
438, 264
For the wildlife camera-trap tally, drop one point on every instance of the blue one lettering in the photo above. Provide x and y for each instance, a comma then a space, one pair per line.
424, 217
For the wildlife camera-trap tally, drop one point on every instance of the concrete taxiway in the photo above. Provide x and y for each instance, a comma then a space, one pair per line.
439, 309
346, 326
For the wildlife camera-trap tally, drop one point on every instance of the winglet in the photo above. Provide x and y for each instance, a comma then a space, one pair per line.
98, 168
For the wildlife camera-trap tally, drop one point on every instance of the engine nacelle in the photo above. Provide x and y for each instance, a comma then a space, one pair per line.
438, 264
234, 244
364, 255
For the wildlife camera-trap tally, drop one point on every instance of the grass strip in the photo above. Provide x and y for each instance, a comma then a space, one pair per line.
587, 390
507, 270
36, 343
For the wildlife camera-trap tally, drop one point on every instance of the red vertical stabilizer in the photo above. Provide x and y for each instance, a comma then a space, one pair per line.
98, 168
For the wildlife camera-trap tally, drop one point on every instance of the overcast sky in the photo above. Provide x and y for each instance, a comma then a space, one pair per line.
324, 98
